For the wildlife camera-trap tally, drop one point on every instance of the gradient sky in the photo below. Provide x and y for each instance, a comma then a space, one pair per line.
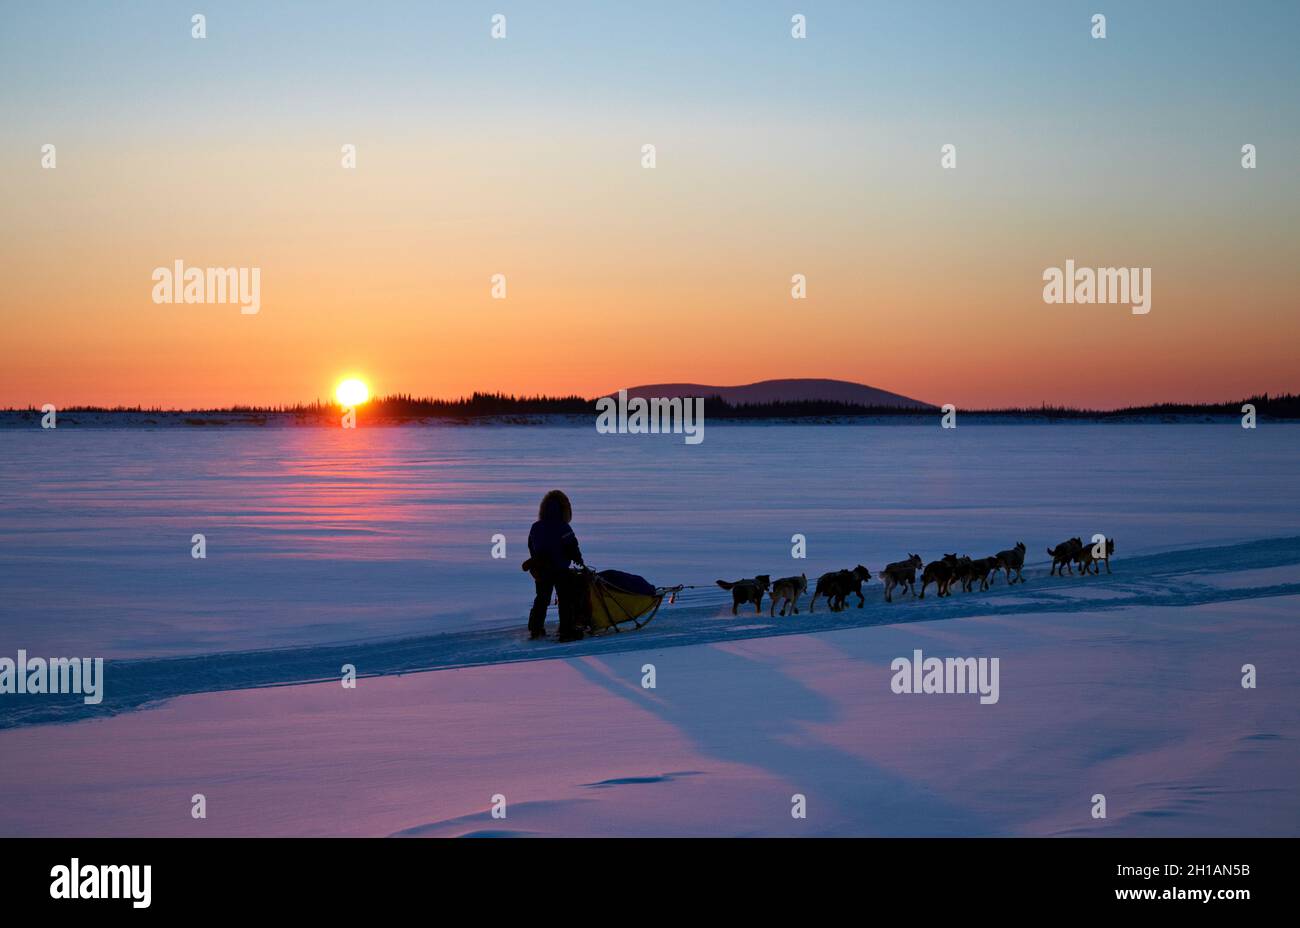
522, 157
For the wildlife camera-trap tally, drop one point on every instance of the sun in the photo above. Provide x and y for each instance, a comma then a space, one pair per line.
352, 392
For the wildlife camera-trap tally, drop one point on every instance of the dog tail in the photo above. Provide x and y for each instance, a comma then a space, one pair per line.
1052, 551
725, 585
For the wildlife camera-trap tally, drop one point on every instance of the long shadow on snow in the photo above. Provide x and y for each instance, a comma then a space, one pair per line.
732, 726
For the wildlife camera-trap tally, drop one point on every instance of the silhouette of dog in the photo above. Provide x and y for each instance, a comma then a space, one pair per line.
747, 591
963, 570
940, 573
1088, 557
787, 590
981, 569
901, 573
1063, 554
837, 585
1012, 559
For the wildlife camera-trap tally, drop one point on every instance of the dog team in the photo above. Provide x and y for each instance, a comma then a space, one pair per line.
838, 585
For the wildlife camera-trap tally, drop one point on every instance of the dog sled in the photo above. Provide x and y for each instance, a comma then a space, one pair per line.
612, 599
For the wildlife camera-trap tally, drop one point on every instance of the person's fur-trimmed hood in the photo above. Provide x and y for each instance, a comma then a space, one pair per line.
555, 507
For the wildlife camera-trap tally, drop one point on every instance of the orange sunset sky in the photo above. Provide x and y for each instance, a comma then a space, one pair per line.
522, 157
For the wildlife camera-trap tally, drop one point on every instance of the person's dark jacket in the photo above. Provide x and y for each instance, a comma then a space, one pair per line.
553, 546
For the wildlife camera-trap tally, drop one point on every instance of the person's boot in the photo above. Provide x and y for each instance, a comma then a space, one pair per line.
571, 634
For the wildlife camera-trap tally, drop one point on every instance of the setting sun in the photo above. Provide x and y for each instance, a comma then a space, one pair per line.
352, 392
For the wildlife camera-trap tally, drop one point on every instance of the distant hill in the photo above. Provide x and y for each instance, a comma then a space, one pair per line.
784, 391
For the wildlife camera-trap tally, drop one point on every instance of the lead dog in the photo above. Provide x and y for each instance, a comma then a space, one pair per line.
901, 573
837, 585
788, 590
1063, 554
1012, 559
747, 591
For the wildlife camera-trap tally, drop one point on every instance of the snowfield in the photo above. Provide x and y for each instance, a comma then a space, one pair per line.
1142, 704
1177, 579
222, 675
318, 537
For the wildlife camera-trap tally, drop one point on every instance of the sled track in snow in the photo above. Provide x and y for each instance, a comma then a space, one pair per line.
1169, 579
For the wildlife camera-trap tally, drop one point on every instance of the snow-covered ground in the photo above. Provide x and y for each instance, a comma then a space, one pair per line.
373, 549
1141, 704
321, 536
1184, 578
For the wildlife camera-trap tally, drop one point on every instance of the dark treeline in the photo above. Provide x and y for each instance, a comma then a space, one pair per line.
1285, 406
404, 406
1282, 406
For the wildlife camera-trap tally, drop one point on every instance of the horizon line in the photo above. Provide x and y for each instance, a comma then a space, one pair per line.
542, 398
